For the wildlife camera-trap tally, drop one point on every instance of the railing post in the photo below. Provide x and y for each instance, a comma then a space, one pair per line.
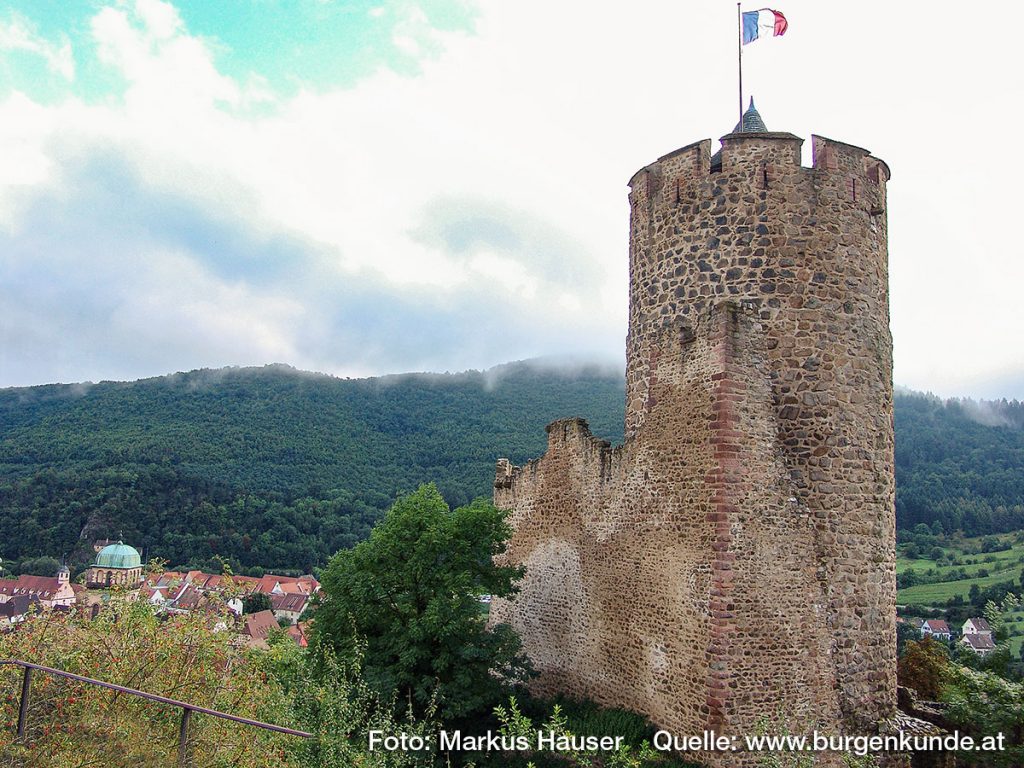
26, 692
184, 760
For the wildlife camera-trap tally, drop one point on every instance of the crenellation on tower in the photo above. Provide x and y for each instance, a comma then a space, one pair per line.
735, 557
748, 153
691, 161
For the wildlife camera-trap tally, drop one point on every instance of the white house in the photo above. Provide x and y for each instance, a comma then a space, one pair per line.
936, 628
53, 592
981, 644
977, 626
288, 606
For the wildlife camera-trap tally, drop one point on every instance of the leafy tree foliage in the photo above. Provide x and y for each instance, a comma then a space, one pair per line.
924, 667
266, 468
958, 464
185, 520
295, 434
72, 725
985, 704
905, 633
516, 724
412, 591
38, 566
256, 602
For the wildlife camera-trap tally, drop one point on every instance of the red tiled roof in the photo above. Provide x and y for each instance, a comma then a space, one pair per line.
165, 579
205, 581
188, 598
296, 633
291, 585
213, 581
294, 603
149, 592
258, 625
247, 583
936, 626
34, 585
980, 642
304, 585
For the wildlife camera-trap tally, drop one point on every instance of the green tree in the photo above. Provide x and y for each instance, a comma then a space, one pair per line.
39, 566
924, 667
72, 724
255, 602
905, 633
411, 593
984, 704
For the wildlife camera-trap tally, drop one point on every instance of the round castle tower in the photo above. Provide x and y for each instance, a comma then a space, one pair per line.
803, 251
734, 559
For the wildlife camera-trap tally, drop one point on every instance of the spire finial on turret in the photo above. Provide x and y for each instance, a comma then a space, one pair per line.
751, 122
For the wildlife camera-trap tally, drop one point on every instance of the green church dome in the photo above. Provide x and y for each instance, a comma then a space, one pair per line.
118, 555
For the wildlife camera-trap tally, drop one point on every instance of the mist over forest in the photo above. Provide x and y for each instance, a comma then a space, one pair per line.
277, 468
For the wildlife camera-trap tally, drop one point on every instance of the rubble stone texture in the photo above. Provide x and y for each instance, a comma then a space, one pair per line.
733, 562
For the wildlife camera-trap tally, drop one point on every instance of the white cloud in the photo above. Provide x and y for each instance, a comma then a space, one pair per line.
170, 74
532, 126
18, 34
413, 34
172, 303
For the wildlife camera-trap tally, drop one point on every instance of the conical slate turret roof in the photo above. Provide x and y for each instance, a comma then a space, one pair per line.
751, 122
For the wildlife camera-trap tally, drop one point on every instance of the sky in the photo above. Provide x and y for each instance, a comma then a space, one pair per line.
362, 188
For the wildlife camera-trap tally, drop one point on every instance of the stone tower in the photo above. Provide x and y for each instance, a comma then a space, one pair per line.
734, 559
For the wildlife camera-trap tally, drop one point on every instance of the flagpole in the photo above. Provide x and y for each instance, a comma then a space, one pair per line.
739, 56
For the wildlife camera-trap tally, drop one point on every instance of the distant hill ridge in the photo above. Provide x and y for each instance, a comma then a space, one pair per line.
278, 467
279, 429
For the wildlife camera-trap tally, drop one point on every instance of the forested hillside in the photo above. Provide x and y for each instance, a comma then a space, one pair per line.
959, 463
276, 468
270, 466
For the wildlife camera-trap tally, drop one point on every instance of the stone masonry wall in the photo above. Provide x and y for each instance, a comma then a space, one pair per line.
735, 558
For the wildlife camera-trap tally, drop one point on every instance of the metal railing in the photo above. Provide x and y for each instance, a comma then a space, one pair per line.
184, 757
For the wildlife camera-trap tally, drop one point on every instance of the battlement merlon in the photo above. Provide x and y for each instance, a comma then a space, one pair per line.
576, 429
570, 435
832, 155
504, 473
741, 151
780, 151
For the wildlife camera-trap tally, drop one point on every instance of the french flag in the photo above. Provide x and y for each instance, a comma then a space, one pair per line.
763, 23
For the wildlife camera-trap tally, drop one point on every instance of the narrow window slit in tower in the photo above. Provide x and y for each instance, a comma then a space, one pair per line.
764, 175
